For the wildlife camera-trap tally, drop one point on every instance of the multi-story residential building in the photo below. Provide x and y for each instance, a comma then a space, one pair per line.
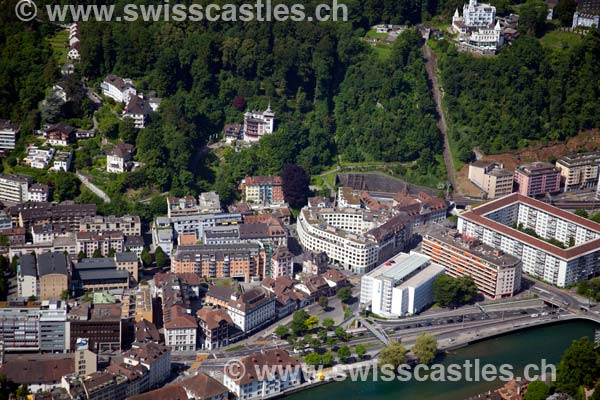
537, 178
587, 14
402, 285
162, 235
184, 206
138, 110
263, 190
214, 325
244, 381
27, 214
28, 326
100, 274
155, 357
118, 159
54, 274
232, 132
252, 309
209, 203
181, 329
62, 161
257, 124
135, 244
422, 209
89, 242
46, 233
492, 178
39, 193
86, 361
129, 262
496, 274
357, 239
244, 260
8, 134
579, 171
195, 224
14, 188
5, 221
118, 89
60, 134
130, 225
27, 281
39, 158
101, 324
282, 263
565, 250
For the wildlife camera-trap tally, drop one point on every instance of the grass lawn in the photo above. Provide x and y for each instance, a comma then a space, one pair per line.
374, 34
383, 50
559, 40
59, 43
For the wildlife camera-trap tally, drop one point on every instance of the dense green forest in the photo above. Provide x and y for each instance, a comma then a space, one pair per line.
527, 93
311, 73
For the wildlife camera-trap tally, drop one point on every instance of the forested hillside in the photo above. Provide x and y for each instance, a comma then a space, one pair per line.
526, 93
336, 98
311, 73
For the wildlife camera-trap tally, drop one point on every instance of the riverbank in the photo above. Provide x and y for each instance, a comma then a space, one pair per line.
526, 346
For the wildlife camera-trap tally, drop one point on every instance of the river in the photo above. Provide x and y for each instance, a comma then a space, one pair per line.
518, 349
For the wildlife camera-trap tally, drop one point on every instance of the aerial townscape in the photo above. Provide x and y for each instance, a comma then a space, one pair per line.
186, 204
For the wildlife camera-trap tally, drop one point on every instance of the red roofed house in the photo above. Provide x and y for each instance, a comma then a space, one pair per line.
181, 330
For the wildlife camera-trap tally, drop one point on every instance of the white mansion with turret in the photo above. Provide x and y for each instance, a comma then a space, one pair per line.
477, 28
257, 124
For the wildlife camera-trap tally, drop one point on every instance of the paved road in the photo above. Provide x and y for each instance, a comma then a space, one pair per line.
437, 98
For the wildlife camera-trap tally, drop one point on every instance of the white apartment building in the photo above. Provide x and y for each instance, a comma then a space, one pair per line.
138, 110
579, 171
118, 89
130, 225
500, 224
38, 192
8, 134
14, 188
62, 161
89, 242
155, 357
242, 380
27, 282
39, 158
252, 309
586, 20
181, 333
354, 238
403, 285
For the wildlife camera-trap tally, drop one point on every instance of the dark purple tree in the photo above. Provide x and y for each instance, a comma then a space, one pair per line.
295, 185
239, 103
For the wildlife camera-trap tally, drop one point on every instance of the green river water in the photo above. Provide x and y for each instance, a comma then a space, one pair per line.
518, 349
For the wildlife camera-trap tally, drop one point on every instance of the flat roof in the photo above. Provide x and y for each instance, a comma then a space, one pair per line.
478, 215
423, 276
400, 266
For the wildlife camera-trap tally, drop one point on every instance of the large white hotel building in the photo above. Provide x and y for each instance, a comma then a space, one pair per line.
357, 239
501, 223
